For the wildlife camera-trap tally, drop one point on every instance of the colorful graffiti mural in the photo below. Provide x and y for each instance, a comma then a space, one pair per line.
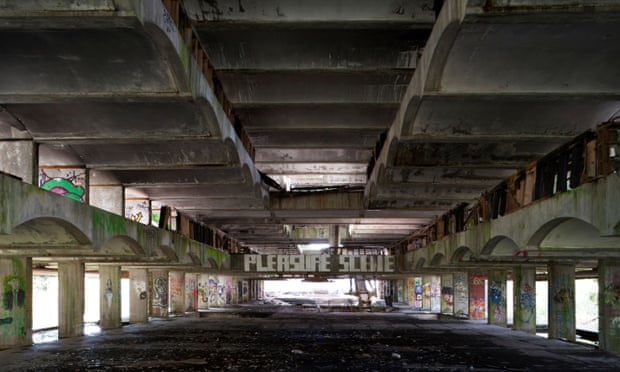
138, 210
68, 182
497, 299
417, 293
176, 287
477, 302
447, 294
191, 293
461, 295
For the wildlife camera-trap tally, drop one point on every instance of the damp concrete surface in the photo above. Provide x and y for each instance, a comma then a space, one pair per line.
289, 340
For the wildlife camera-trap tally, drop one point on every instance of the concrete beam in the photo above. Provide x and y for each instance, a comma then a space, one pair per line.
313, 115
485, 177
306, 46
200, 175
311, 138
153, 154
409, 11
316, 86
311, 155
484, 154
76, 58
305, 168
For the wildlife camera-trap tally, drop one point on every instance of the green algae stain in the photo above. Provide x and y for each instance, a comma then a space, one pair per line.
111, 224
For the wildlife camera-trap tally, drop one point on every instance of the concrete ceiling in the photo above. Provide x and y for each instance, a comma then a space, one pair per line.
461, 101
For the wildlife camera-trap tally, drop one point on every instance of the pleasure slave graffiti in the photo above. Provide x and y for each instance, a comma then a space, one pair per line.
318, 263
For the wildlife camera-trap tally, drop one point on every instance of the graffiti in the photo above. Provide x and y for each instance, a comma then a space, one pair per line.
418, 290
71, 184
477, 304
108, 294
498, 301
611, 294
447, 295
191, 293
110, 223
4, 321
176, 284
563, 296
14, 292
527, 303
461, 295
137, 210
160, 292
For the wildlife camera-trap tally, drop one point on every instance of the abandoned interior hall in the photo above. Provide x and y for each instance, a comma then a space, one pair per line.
453, 161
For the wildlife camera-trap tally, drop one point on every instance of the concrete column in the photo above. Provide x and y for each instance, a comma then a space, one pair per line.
138, 296
16, 302
497, 297
461, 294
110, 303
20, 159
176, 286
477, 300
447, 294
191, 292
524, 278
106, 192
609, 305
562, 301
70, 299
159, 293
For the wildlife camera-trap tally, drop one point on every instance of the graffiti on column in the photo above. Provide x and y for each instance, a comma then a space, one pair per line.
611, 303
498, 301
461, 296
137, 210
108, 294
191, 293
418, 293
176, 285
447, 295
216, 292
435, 293
160, 292
527, 303
426, 293
13, 303
564, 314
476, 297
67, 182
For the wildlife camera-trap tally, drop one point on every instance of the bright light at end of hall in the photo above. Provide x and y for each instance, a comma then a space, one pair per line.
312, 248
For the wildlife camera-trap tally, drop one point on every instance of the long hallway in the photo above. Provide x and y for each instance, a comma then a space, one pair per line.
299, 341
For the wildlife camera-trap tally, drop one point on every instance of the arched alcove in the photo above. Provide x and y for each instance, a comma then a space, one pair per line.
461, 254
122, 245
420, 263
569, 232
48, 231
438, 260
500, 246
166, 253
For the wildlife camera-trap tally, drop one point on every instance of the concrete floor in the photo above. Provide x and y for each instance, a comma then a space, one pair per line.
301, 341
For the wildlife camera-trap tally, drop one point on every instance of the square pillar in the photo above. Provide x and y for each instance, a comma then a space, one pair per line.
562, 301
609, 305
191, 292
138, 296
20, 158
159, 293
70, 299
524, 299
497, 298
477, 300
461, 294
16, 302
176, 286
110, 303
447, 294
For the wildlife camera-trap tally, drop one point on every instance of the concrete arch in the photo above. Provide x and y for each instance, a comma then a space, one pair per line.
170, 54
166, 253
47, 231
122, 245
438, 260
190, 259
210, 263
566, 232
420, 264
463, 253
500, 246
